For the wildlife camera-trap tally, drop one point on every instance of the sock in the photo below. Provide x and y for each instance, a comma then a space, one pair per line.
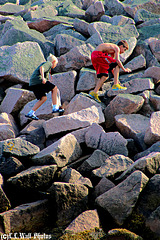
31, 112
55, 107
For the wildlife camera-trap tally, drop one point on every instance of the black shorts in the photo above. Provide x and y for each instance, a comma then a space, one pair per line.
111, 67
40, 90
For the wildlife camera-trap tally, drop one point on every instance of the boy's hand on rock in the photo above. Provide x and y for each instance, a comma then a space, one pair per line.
128, 70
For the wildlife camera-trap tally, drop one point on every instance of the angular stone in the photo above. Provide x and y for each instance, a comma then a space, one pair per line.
81, 26
94, 11
64, 43
154, 148
18, 148
152, 134
75, 59
15, 99
79, 102
65, 150
87, 79
121, 200
148, 165
155, 48
112, 166
31, 216
97, 158
4, 201
80, 119
136, 63
152, 72
37, 177
110, 143
10, 166
60, 80
69, 201
131, 8
134, 86
122, 103
133, 126
85, 221
70, 175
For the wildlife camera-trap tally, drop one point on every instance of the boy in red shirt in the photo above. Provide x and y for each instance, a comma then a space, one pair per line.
105, 58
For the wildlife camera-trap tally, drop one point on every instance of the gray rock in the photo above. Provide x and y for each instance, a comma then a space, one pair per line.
10, 166
87, 3
118, 20
81, 26
152, 134
18, 148
70, 200
70, 175
21, 33
155, 48
134, 86
31, 53
31, 216
131, 8
37, 177
42, 11
34, 133
153, 221
148, 165
87, 79
79, 102
133, 126
84, 222
110, 143
143, 15
4, 201
64, 43
94, 11
111, 33
121, 200
15, 100
112, 166
153, 148
72, 121
75, 59
150, 199
103, 186
10, 9
152, 72
97, 158
65, 150
60, 80
122, 103
136, 63
115, 7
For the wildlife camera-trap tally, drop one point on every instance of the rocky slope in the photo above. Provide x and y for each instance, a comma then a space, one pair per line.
93, 172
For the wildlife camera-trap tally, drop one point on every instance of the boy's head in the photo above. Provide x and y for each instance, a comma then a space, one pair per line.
51, 58
124, 44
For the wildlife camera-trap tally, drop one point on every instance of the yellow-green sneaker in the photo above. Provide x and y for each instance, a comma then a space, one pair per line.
95, 96
117, 87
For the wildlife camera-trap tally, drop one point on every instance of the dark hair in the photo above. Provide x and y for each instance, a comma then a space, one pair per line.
124, 43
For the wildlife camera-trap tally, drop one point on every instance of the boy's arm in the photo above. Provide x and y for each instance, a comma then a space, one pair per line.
42, 74
117, 52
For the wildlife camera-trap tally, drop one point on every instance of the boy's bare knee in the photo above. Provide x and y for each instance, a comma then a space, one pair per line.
44, 98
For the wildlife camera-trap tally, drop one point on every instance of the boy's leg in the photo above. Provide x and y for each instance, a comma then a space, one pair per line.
99, 84
39, 103
117, 85
54, 101
31, 113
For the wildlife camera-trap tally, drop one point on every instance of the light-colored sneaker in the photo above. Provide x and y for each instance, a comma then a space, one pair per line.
95, 96
117, 87
33, 116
